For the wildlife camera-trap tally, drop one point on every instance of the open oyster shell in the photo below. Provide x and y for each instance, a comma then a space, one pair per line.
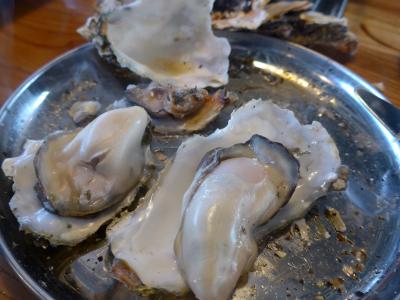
235, 190
86, 171
152, 261
92, 172
162, 101
170, 42
252, 14
29, 210
178, 110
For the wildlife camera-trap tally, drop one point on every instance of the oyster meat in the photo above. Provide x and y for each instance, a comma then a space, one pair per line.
87, 172
235, 190
170, 42
178, 110
152, 262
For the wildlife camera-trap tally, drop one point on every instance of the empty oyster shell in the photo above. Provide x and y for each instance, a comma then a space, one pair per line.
161, 101
252, 16
170, 42
288, 20
178, 110
235, 190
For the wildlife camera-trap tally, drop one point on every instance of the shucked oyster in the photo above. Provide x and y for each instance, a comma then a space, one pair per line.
170, 42
235, 190
152, 262
85, 172
178, 110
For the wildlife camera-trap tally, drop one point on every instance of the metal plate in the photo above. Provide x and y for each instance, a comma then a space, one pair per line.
315, 88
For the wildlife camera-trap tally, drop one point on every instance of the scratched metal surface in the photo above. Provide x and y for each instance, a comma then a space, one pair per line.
315, 88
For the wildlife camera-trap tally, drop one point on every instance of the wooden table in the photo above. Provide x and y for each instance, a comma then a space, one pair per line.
33, 32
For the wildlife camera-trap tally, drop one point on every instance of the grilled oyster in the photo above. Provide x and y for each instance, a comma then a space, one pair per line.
140, 261
87, 172
234, 190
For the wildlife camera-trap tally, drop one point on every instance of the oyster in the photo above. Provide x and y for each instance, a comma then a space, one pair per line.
178, 110
161, 101
152, 262
289, 20
325, 31
235, 190
170, 42
84, 172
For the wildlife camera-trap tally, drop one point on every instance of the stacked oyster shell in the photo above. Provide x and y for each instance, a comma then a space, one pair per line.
171, 43
289, 20
198, 226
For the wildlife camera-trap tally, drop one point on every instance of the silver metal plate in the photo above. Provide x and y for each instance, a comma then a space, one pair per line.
315, 88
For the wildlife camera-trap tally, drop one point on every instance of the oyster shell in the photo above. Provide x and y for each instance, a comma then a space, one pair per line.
178, 110
235, 190
31, 215
52, 178
161, 101
252, 16
314, 30
170, 42
153, 261
289, 20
